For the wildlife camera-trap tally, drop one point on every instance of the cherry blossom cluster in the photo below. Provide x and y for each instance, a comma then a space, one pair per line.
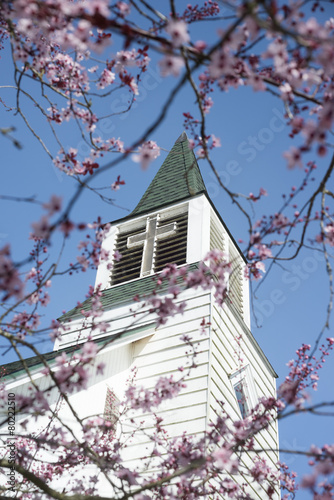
66, 57
11, 284
304, 373
70, 163
276, 229
166, 388
91, 248
219, 451
196, 13
327, 236
43, 228
322, 463
211, 274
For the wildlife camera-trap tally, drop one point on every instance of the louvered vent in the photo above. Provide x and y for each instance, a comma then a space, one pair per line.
128, 268
236, 279
162, 240
216, 236
172, 250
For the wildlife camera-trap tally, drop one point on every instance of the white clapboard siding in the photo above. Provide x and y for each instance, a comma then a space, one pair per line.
231, 349
173, 352
227, 324
162, 354
223, 391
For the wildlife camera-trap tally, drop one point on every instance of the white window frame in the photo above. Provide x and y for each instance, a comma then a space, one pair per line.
244, 376
113, 417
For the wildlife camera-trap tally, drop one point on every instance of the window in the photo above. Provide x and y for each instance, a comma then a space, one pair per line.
240, 392
244, 389
111, 408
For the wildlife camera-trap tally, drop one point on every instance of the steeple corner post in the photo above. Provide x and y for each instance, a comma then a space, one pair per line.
104, 268
198, 228
246, 301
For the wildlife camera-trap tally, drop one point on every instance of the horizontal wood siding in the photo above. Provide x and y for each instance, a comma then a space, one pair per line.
161, 356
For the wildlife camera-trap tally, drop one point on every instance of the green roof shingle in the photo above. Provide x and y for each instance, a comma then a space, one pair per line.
179, 177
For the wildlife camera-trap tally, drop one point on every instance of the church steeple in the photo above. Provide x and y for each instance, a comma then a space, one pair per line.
178, 178
175, 222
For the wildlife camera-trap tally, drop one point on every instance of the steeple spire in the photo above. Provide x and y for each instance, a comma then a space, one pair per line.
178, 178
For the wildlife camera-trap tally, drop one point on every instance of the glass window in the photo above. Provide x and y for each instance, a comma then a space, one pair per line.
244, 389
111, 408
240, 393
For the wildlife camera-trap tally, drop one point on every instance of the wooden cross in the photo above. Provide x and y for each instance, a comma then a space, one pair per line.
148, 238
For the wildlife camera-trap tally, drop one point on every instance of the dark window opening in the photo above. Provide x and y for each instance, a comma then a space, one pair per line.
128, 267
172, 250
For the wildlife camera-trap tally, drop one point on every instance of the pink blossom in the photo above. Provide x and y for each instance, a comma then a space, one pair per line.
100, 368
252, 27
66, 227
224, 461
117, 256
171, 65
129, 81
329, 232
45, 299
123, 59
178, 31
41, 229
293, 157
89, 351
123, 8
127, 475
116, 185
215, 141
221, 63
54, 204
200, 45
255, 268
32, 274
107, 78
256, 82
264, 252
148, 152
286, 92
83, 261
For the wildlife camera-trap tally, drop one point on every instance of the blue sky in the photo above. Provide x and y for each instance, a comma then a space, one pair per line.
296, 316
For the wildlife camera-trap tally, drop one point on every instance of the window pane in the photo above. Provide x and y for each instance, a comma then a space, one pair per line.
241, 397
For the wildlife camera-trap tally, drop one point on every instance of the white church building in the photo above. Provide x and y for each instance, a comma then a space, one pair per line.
174, 222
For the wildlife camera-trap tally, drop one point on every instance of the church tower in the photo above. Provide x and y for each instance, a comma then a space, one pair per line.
175, 222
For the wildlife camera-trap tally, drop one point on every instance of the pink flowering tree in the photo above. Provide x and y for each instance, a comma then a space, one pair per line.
62, 62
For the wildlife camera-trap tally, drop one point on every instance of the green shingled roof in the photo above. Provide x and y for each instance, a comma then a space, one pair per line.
178, 178
17, 368
120, 294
